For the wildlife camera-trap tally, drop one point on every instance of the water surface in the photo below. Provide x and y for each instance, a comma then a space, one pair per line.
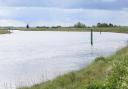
29, 57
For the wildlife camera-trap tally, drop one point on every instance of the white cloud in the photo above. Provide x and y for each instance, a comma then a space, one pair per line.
9, 22
18, 16
108, 0
70, 4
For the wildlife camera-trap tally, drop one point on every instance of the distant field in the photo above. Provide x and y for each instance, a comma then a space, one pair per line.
96, 29
4, 31
121, 29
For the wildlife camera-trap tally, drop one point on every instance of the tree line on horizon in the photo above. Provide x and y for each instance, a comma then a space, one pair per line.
79, 25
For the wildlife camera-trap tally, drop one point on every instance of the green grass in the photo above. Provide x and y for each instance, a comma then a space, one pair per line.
4, 31
104, 73
96, 29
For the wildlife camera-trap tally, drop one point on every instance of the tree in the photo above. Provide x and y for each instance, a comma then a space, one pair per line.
110, 25
104, 25
79, 25
98, 24
27, 26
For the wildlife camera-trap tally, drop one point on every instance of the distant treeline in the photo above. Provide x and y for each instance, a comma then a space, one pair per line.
106, 25
82, 25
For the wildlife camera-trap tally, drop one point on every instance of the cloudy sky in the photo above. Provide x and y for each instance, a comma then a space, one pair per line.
62, 12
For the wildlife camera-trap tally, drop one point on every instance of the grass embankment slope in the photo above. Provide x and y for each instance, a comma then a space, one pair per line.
104, 73
4, 31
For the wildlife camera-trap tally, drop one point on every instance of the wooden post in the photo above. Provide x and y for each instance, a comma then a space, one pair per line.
91, 37
100, 31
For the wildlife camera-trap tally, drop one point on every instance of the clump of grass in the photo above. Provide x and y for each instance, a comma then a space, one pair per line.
100, 59
104, 73
118, 78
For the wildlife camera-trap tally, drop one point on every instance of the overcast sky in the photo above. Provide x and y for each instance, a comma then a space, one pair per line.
62, 12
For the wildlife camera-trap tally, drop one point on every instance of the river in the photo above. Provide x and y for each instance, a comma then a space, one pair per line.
29, 57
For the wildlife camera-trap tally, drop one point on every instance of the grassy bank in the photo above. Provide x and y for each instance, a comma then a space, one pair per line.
104, 73
96, 29
4, 31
